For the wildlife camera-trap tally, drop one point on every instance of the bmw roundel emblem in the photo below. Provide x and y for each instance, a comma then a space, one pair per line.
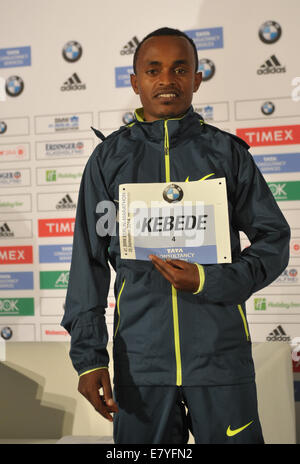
6, 333
207, 68
269, 32
268, 108
72, 51
3, 127
128, 117
173, 193
14, 86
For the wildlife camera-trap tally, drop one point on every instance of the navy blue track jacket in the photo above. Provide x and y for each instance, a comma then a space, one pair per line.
164, 336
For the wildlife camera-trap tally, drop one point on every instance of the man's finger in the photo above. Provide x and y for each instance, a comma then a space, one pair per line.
163, 273
165, 270
177, 263
162, 265
107, 393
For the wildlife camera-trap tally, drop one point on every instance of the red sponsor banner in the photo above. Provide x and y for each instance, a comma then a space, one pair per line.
296, 359
56, 227
273, 135
16, 255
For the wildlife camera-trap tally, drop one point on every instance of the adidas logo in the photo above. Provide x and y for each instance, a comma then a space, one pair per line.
278, 335
66, 203
5, 231
130, 47
73, 83
271, 66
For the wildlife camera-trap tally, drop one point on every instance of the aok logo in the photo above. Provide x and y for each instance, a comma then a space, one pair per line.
9, 306
51, 280
62, 281
278, 190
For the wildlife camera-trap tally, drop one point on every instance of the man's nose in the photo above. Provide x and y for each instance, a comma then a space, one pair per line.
167, 77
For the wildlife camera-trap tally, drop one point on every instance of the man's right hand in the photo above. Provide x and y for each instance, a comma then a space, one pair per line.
89, 386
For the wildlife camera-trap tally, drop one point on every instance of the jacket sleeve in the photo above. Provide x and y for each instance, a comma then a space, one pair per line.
256, 213
89, 277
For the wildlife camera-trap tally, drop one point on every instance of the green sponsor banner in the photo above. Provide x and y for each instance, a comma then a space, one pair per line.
54, 279
285, 191
260, 304
16, 307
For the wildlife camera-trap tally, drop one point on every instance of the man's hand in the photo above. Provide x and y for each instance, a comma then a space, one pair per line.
89, 386
182, 275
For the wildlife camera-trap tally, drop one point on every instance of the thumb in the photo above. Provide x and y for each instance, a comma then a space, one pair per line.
107, 391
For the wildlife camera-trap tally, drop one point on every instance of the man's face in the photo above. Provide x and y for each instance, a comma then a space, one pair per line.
165, 77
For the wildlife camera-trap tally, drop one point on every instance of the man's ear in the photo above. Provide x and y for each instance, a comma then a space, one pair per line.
198, 80
133, 80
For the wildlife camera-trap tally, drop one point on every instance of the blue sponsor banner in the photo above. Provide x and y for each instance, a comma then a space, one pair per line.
122, 75
297, 390
16, 280
208, 38
55, 253
14, 57
286, 162
206, 254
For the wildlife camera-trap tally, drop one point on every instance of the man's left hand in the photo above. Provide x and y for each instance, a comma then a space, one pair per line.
182, 275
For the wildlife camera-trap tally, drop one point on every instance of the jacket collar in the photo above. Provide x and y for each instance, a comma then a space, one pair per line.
156, 129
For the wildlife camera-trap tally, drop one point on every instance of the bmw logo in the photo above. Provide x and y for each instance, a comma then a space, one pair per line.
207, 68
14, 86
72, 51
268, 108
3, 127
128, 117
269, 32
173, 193
6, 333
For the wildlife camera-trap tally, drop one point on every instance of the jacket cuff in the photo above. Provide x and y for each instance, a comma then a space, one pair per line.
201, 278
92, 370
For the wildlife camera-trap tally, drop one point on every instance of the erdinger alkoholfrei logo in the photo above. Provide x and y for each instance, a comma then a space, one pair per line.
269, 32
173, 193
6, 333
3, 127
207, 68
267, 108
72, 51
14, 86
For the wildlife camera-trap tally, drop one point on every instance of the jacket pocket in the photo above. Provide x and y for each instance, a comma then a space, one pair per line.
244, 321
118, 307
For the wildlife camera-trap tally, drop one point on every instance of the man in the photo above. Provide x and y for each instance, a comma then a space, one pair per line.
181, 339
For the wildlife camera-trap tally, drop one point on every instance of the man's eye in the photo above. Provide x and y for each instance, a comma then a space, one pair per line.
151, 72
180, 71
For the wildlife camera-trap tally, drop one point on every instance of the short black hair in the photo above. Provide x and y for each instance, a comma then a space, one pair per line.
165, 31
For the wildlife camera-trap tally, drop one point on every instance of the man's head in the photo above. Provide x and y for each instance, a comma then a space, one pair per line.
165, 67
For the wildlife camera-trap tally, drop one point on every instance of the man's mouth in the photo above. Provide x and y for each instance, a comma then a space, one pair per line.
167, 95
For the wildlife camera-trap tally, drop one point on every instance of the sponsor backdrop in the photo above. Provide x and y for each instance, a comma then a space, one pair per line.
65, 66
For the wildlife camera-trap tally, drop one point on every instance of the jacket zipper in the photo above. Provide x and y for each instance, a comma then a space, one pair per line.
174, 292
118, 307
244, 321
